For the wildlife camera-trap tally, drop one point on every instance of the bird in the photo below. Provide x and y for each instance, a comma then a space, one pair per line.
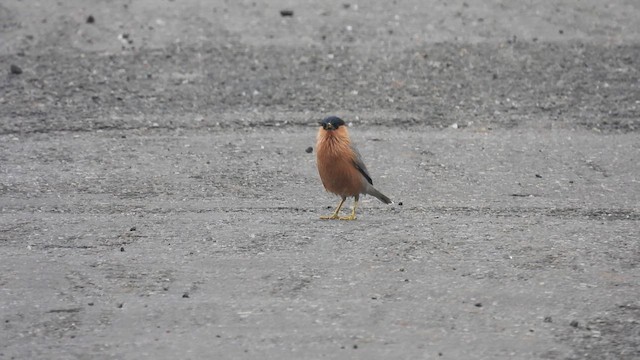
341, 168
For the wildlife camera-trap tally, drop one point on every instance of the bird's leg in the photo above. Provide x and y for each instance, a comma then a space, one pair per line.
353, 212
335, 213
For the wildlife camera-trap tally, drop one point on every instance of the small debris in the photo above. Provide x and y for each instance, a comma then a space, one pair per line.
285, 13
15, 69
560, 31
122, 249
90, 19
133, 228
120, 305
90, 304
309, 150
575, 323
185, 295
400, 203
478, 304
355, 346
539, 176
547, 319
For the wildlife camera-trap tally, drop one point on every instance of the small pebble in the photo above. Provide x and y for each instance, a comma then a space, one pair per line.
90, 19
400, 203
309, 150
133, 228
120, 305
185, 295
575, 323
548, 319
478, 304
122, 249
15, 69
539, 176
285, 13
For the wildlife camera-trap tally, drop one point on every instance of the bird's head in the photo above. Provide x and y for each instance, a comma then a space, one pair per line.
331, 123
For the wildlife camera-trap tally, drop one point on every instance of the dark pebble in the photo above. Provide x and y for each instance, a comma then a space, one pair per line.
478, 304
309, 150
548, 319
122, 248
15, 69
400, 203
284, 13
120, 305
355, 346
560, 32
90, 304
495, 76
185, 295
539, 176
575, 323
90, 19
346, 5
133, 228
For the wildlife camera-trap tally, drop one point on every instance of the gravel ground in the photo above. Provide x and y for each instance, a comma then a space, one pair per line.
157, 199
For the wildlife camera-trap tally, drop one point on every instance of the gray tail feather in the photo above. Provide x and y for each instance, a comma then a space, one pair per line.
372, 191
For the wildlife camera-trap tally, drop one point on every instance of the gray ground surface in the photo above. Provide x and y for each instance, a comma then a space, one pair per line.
157, 201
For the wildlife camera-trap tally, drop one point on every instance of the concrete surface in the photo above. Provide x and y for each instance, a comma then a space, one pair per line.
157, 201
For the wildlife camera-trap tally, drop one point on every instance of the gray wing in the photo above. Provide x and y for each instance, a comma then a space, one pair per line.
359, 164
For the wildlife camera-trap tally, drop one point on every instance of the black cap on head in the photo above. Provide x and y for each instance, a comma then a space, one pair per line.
331, 123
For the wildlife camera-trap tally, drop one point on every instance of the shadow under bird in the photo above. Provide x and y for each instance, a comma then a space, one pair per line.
341, 168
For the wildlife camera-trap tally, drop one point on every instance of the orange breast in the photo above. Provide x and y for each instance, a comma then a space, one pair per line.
335, 163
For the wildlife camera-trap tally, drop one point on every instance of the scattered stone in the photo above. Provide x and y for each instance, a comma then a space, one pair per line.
286, 13
309, 150
185, 295
539, 176
478, 304
133, 228
548, 319
90, 304
121, 248
400, 203
575, 323
355, 346
15, 69
120, 305
90, 19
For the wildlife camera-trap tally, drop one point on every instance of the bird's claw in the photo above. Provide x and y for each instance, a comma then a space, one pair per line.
350, 217
330, 217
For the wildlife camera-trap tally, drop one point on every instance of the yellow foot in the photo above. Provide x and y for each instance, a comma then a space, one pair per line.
350, 217
330, 217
